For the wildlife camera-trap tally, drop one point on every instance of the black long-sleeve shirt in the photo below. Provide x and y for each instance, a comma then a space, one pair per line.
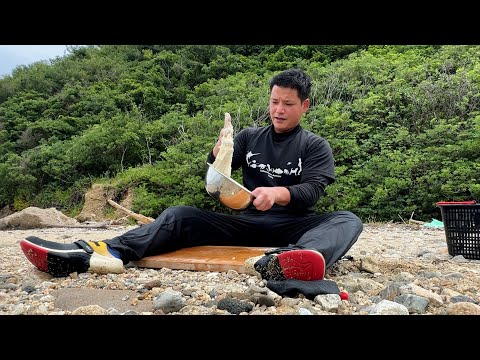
299, 160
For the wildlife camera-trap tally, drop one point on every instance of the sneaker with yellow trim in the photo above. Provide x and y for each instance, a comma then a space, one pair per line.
63, 259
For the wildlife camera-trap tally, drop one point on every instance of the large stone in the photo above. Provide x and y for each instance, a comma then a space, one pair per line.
123, 300
36, 218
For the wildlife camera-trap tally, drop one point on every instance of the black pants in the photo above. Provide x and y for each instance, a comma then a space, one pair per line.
184, 226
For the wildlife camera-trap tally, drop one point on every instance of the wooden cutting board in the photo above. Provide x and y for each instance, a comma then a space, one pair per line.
203, 258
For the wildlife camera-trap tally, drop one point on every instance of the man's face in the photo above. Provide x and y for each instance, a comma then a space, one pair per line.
286, 108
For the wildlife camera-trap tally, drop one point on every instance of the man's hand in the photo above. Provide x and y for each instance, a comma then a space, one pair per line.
265, 197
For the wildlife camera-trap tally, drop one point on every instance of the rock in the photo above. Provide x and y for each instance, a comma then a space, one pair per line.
36, 218
463, 308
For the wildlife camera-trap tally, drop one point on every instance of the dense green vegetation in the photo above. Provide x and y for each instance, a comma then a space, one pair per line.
403, 121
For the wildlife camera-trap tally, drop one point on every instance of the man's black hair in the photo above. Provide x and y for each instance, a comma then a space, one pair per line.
294, 79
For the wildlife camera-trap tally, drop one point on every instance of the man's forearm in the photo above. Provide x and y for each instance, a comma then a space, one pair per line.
282, 195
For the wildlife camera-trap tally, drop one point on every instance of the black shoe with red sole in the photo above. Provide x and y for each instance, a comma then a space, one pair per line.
294, 264
55, 258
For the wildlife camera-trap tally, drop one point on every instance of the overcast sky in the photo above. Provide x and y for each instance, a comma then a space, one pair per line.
14, 55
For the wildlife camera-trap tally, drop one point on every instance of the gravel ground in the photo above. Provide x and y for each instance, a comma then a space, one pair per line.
392, 269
